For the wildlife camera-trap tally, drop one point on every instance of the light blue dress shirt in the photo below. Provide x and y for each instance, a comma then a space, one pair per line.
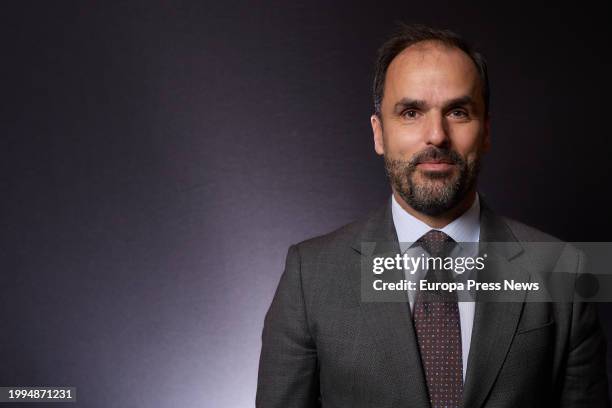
465, 228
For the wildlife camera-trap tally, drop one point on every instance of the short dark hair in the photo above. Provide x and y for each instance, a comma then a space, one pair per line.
409, 34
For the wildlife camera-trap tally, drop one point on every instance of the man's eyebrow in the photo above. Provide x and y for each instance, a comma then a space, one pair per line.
461, 101
409, 103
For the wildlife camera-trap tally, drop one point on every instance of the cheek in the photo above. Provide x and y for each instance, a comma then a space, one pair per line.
468, 141
400, 145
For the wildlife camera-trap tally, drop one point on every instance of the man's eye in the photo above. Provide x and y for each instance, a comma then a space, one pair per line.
458, 113
410, 114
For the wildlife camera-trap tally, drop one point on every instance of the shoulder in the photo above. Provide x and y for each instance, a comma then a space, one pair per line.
497, 228
331, 243
527, 233
526, 246
345, 241
543, 253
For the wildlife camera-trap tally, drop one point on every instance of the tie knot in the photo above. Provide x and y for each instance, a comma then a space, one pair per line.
437, 243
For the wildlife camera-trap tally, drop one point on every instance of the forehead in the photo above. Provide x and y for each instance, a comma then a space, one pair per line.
433, 72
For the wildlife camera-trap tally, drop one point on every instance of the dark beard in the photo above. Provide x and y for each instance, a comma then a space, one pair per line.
440, 191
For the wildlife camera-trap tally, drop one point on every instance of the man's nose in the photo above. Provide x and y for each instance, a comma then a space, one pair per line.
437, 130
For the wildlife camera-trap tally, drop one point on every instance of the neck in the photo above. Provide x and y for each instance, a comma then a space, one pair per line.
441, 220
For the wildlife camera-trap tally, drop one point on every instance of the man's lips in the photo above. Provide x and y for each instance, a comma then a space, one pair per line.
436, 165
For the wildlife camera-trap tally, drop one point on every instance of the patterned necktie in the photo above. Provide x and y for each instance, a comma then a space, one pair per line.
438, 330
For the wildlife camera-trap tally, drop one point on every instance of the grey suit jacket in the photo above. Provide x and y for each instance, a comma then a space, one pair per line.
323, 347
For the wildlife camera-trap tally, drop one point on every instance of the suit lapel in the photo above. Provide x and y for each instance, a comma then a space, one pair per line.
390, 323
494, 322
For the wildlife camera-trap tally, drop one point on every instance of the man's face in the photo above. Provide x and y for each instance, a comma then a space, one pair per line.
433, 129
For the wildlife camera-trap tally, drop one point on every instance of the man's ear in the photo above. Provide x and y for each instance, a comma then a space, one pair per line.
486, 142
376, 123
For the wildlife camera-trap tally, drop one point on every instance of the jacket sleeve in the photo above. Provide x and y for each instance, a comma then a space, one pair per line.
585, 383
288, 372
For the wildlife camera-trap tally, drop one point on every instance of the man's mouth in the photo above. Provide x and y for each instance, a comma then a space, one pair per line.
436, 165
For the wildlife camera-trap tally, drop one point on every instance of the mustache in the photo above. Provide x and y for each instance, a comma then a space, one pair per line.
435, 153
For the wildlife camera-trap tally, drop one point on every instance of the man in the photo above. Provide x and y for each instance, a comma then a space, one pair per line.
324, 345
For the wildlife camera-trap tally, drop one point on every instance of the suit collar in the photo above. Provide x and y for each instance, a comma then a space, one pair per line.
379, 228
494, 231
465, 228
377, 232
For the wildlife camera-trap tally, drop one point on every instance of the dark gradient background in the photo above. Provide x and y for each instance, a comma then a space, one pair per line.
158, 158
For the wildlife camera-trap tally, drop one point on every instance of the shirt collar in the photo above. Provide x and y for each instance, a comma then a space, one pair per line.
465, 228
